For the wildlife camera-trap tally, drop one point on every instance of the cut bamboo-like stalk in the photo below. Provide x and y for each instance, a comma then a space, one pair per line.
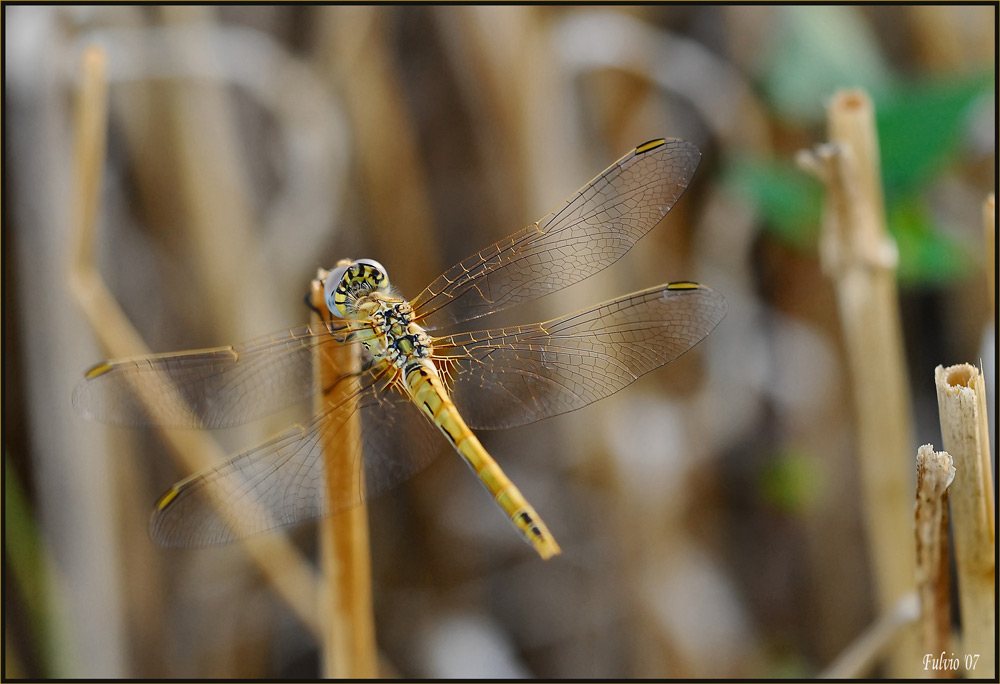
349, 630
962, 408
859, 255
274, 555
935, 471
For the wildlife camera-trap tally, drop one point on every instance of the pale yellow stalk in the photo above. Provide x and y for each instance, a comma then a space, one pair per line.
857, 252
935, 472
274, 555
346, 601
962, 409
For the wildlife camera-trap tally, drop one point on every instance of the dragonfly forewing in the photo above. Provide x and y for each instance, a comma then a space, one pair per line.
589, 232
210, 388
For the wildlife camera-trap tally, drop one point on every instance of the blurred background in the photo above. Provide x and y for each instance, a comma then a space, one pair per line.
709, 515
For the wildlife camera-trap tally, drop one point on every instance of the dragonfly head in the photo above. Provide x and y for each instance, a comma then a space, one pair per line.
351, 281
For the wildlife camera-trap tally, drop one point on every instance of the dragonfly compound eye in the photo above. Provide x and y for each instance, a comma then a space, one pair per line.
345, 284
334, 294
374, 274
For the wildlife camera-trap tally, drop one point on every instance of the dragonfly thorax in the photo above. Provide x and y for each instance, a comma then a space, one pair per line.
395, 337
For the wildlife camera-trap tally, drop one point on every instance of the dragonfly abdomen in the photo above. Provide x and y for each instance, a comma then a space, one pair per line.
428, 392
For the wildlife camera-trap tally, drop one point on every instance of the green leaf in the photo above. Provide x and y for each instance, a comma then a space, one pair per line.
786, 199
927, 256
790, 481
920, 126
815, 51
790, 203
23, 548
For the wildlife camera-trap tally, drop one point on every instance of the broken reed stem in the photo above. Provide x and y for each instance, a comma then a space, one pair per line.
274, 555
990, 235
345, 556
857, 252
962, 409
935, 471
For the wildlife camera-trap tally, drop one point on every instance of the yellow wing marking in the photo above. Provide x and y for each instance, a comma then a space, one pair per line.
651, 145
98, 370
167, 498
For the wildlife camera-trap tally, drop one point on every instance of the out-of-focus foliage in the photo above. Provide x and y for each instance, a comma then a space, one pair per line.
788, 201
927, 255
790, 482
27, 574
920, 125
814, 51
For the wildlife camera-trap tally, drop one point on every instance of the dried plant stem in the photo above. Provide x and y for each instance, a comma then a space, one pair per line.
390, 167
860, 256
858, 659
274, 556
935, 471
349, 630
91, 136
962, 408
218, 224
990, 235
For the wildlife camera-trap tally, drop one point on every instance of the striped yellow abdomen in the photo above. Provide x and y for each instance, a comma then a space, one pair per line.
428, 392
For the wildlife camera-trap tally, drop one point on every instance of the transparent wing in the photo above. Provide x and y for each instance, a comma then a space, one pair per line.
591, 231
513, 376
227, 386
281, 481
210, 388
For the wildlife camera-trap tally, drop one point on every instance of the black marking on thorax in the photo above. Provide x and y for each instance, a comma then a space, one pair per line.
400, 340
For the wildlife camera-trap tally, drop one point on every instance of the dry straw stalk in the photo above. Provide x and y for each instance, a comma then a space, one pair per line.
962, 409
935, 472
349, 631
274, 555
859, 255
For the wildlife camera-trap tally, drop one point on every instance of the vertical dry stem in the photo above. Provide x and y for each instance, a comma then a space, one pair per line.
935, 471
215, 194
962, 408
349, 634
860, 256
277, 559
91, 134
990, 235
391, 168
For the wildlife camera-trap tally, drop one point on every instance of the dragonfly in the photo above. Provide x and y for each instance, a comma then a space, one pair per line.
414, 384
